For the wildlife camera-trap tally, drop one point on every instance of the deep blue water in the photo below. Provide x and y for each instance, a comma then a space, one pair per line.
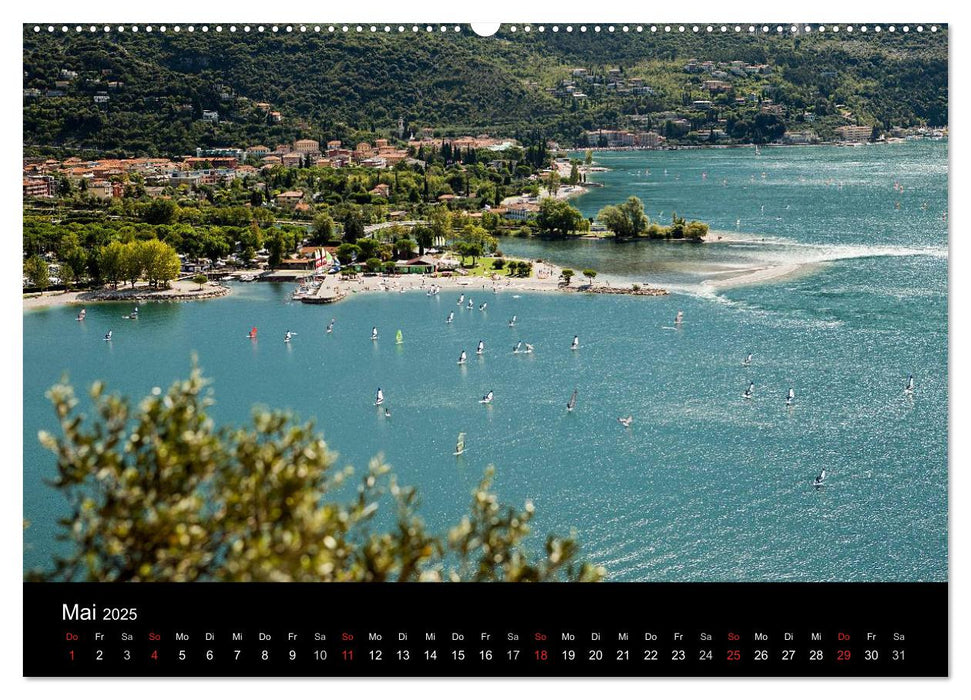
704, 485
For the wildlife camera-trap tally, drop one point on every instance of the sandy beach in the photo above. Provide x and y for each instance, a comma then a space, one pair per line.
545, 278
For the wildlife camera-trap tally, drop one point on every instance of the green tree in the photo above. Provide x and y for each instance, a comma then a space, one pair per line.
557, 217
552, 182
323, 229
590, 274
424, 237
626, 220
373, 264
276, 246
695, 230
574, 173
346, 252
567, 274
353, 227
159, 493
160, 263
75, 265
161, 211
200, 279
131, 262
35, 269
369, 248
404, 248
112, 266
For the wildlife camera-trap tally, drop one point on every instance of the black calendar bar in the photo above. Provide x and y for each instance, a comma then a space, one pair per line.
611, 629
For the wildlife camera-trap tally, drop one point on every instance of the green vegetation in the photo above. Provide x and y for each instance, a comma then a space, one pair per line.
590, 274
159, 493
558, 218
628, 221
350, 86
567, 275
36, 270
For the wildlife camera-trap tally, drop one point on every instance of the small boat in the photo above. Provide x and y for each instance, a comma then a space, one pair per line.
133, 316
287, 337
483, 305
790, 397
487, 398
330, 326
626, 421
82, 314
459, 444
679, 318
374, 333
512, 322
529, 349
462, 358
252, 333
747, 394
909, 389
461, 299
470, 305
379, 397
516, 350
480, 349
398, 339
572, 402
575, 345
450, 317
108, 335
818, 481
387, 413
747, 361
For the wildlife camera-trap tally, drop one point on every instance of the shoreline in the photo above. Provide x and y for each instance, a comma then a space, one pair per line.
545, 278
181, 290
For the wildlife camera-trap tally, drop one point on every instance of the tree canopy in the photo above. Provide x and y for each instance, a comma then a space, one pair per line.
626, 220
160, 493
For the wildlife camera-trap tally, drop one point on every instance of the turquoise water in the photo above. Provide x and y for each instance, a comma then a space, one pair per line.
704, 485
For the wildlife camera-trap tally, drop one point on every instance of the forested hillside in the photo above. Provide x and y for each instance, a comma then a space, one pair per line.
145, 94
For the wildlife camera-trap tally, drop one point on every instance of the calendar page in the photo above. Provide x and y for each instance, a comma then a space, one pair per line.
528, 349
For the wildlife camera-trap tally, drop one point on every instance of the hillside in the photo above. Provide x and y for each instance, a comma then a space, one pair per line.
145, 94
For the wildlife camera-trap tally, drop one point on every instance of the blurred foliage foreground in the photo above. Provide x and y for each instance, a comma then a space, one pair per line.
161, 494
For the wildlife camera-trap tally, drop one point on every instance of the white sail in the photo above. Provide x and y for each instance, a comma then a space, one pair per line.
572, 402
374, 333
747, 361
462, 358
487, 398
790, 396
461, 299
818, 481
576, 342
679, 317
460, 444
909, 389
512, 322
529, 348
450, 317
518, 346
748, 392
379, 398
480, 349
